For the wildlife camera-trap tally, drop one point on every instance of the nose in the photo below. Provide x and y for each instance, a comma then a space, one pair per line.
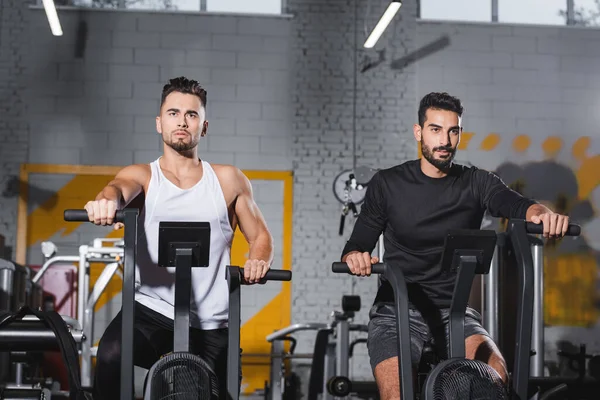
182, 122
444, 139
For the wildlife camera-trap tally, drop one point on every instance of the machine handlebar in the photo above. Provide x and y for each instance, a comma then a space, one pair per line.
538, 229
82, 216
342, 268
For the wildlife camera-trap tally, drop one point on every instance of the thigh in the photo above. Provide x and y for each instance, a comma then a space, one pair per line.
383, 335
212, 347
472, 326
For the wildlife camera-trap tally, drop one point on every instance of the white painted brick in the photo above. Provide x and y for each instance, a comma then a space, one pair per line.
514, 44
265, 162
147, 90
490, 92
532, 126
536, 31
514, 109
80, 72
581, 65
211, 24
235, 76
263, 26
263, 128
220, 158
129, 73
263, 60
271, 145
145, 156
277, 112
535, 93
133, 107
236, 144
94, 123
70, 106
221, 126
135, 39
556, 46
78, 139
48, 155
471, 43
210, 59
133, 141
108, 89
237, 43
159, 57
220, 93
235, 110
261, 93
199, 74
108, 55
144, 124
98, 21
162, 23
536, 61
506, 76
185, 41
581, 96
95, 156
58, 88
275, 78
467, 75
277, 44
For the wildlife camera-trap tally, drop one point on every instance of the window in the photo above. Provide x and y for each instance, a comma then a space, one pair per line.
543, 12
587, 13
232, 6
457, 10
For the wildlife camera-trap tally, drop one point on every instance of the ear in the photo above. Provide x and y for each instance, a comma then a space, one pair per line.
158, 126
204, 129
417, 132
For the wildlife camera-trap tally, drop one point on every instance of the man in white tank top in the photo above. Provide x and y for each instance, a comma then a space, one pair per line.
180, 187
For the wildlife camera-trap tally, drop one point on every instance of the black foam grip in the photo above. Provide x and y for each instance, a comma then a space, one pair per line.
82, 216
274, 275
538, 229
342, 268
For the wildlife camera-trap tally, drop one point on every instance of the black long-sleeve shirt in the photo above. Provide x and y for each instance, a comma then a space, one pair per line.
415, 213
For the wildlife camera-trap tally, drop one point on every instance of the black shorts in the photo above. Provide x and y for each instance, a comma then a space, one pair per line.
152, 338
383, 335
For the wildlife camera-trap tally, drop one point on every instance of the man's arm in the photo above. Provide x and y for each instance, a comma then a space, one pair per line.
367, 229
126, 185
501, 201
254, 228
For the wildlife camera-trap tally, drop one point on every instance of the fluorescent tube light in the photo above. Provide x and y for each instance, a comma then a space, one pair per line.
52, 17
385, 20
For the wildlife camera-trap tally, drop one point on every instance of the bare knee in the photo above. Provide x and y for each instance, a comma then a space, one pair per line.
388, 382
482, 348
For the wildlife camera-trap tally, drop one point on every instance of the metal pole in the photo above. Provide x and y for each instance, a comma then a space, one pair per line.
537, 332
202, 5
82, 271
490, 309
494, 10
342, 347
570, 12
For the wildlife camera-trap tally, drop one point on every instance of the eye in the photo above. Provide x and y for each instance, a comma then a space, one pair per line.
454, 131
172, 113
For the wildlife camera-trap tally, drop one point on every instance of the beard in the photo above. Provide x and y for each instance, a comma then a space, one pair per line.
440, 163
180, 146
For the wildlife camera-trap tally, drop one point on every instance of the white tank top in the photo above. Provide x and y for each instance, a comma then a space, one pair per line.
155, 286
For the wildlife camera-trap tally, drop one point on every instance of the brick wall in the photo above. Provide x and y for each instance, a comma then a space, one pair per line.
14, 127
324, 119
100, 108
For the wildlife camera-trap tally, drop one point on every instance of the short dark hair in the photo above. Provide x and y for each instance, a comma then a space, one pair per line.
439, 101
183, 85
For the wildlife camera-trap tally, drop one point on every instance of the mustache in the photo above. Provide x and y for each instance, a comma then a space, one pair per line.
449, 149
181, 130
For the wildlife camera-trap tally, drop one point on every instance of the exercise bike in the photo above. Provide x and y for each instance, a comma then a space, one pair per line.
181, 375
467, 252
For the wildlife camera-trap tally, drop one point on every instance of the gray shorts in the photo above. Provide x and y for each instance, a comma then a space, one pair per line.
382, 336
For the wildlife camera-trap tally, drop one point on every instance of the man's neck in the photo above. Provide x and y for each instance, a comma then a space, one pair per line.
432, 171
177, 162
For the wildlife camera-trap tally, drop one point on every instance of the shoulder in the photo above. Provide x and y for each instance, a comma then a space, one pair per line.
135, 172
231, 176
398, 170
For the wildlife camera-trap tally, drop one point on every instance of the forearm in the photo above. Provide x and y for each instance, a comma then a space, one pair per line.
537, 209
261, 248
112, 193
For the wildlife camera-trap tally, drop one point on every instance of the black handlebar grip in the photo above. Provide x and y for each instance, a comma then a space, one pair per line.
275, 275
82, 216
538, 229
342, 268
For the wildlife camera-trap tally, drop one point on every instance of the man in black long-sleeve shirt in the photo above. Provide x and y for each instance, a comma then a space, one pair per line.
414, 205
